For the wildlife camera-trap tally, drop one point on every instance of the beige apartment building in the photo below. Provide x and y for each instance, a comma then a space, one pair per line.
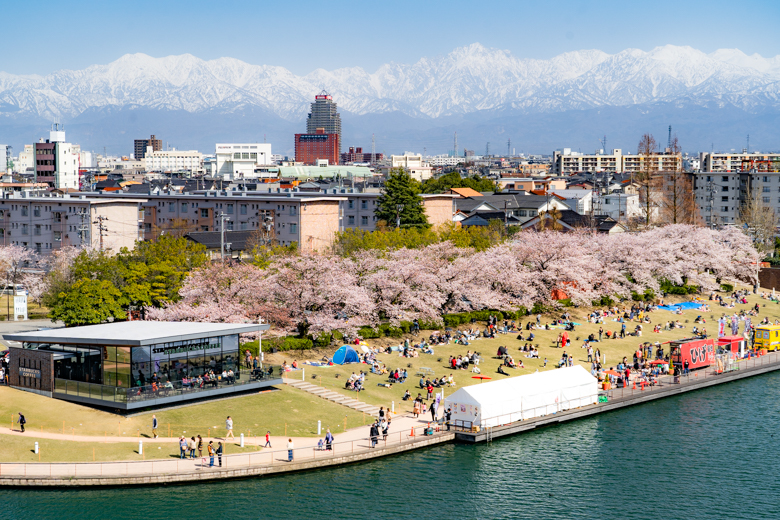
567, 162
739, 162
47, 223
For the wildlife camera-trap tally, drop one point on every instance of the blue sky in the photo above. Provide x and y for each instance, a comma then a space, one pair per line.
40, 37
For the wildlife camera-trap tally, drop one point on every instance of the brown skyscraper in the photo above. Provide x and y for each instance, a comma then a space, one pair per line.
139, 149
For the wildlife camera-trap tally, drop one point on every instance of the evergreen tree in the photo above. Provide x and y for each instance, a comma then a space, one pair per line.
401, 190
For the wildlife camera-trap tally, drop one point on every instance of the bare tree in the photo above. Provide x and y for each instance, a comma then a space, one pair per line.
646, 149
675, 195
758, 220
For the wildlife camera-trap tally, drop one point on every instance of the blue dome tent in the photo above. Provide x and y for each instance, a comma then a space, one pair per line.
346, 354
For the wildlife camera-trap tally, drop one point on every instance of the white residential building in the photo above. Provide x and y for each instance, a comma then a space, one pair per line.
620, 206
444, 160
413, 163
172, 160
566, 162
739, 162
26, 159
238, 160
56, 161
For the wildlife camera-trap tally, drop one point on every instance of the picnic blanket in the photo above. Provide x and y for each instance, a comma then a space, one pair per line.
684, 306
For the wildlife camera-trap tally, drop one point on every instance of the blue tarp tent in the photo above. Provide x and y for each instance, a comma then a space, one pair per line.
346, 354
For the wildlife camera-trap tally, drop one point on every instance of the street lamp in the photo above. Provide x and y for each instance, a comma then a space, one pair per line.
399, 208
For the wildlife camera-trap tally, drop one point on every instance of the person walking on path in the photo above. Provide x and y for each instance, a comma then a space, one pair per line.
193, 445
219, 453
229, 427
417, 406
200, 446
182, 447
22, 421
267, 439
154, 426
381, 412
447, 417
290, 448
329, 440
434, 409
210, 448
386, 429
374, 433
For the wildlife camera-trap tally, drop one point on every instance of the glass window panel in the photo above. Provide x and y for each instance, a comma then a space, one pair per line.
159, 360
141, 366
123, 375
197, 362
109, 365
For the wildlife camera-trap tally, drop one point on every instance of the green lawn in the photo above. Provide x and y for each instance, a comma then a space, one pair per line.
286, 409
21, 449
613, 349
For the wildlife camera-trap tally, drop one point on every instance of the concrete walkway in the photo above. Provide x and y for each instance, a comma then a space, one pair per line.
398, 423
406, 433
335, 397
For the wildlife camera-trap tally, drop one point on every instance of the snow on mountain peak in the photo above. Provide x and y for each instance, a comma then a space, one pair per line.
468, 79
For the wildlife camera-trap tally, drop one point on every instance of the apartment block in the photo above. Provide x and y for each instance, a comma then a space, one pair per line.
739, 162
140, 146
566, 162
47, 223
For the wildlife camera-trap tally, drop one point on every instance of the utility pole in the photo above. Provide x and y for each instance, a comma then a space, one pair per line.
222, 218
101, 228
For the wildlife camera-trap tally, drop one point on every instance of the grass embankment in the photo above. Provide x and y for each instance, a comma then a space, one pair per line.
614, 349
21, 449
286, 411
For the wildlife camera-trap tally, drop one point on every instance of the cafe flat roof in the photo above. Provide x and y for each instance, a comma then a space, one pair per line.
135, 333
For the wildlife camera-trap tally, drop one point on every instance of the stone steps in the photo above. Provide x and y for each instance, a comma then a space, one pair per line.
335, 397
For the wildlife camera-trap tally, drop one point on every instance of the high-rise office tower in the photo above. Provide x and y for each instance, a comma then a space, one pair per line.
324, 115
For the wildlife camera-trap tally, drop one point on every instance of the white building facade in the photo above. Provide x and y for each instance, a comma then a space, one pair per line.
235, 161
172, 160
412, 163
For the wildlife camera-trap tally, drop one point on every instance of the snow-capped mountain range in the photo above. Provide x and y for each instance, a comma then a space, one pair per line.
469, 80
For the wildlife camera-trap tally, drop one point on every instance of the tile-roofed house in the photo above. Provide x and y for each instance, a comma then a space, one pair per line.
238, 241
465, 192
569, 220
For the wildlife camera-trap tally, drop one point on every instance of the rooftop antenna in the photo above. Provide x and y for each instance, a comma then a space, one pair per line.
669, 142
748, 143
604, 143
373, 149
264, 138
508, 146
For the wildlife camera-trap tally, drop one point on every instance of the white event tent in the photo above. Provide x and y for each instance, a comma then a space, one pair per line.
524, 397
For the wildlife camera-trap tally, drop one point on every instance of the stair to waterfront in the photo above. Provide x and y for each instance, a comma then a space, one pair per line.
335, 397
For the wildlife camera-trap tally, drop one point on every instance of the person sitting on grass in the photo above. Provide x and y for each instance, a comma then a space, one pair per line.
501, 370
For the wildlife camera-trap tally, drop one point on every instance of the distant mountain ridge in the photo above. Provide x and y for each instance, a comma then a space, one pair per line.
465, 88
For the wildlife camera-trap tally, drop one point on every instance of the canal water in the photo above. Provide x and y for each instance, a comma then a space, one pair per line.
708, 454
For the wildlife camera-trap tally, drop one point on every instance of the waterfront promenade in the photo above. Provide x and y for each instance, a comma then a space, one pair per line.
406, 433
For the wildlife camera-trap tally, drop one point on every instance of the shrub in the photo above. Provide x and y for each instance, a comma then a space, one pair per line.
726, 287
282, 344
605, 301
323, 340
368, 333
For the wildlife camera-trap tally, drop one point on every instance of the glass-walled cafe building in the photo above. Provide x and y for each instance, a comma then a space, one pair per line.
136, 364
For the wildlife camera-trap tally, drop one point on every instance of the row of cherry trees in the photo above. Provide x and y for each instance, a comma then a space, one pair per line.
334, 293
